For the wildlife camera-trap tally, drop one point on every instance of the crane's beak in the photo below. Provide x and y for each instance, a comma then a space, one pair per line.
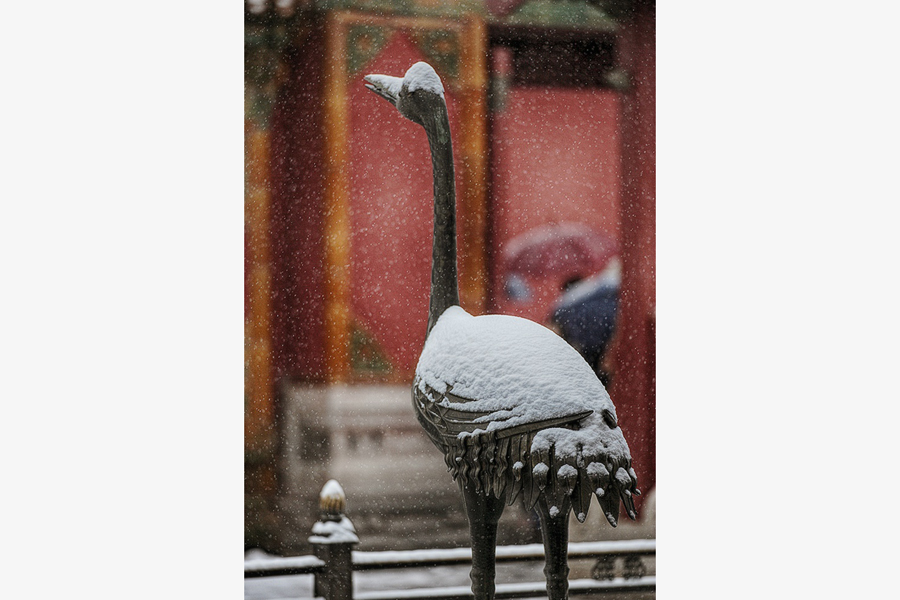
385, 86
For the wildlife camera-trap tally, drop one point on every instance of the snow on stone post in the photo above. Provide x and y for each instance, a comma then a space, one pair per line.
333, 538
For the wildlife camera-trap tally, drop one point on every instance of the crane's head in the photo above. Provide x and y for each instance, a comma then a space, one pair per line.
418, 95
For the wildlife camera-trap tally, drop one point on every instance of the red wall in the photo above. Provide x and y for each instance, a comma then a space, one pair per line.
634, 385
392, 203
296, 220
555, 155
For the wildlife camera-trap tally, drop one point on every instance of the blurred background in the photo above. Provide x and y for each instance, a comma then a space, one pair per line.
552, 111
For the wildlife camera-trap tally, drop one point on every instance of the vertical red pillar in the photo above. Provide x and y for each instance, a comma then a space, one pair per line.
296, 221
634, 383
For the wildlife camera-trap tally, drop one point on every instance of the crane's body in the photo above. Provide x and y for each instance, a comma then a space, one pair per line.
515, 410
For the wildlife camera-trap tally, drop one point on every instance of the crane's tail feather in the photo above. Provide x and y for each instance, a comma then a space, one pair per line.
515, 457
625, 481
609, 504
581, 499
510, 468
511, 465
530, 483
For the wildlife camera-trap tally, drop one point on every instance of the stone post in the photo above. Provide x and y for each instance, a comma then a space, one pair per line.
333, 539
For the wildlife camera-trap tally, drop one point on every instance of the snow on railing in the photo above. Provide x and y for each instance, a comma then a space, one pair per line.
577, 587
334, 562
365, 561
288, 565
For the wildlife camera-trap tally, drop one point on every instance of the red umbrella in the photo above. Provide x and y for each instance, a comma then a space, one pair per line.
564, 250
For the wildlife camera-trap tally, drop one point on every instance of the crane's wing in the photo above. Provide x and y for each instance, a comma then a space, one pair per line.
507, 463
518, 413
444, 417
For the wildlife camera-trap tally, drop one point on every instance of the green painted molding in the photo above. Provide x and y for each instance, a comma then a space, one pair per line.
409, 8
583, 14
441, 48
263, 44
366, 355
569, 14
365, 42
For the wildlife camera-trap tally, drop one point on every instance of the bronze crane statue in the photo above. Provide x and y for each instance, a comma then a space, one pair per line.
516, 411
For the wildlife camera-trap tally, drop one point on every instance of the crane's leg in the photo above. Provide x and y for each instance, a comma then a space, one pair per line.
555, 531
483, 512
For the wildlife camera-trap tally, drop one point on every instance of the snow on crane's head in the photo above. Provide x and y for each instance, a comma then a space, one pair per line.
416, 95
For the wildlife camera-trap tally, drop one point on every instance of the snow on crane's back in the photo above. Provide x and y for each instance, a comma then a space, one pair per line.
513, 367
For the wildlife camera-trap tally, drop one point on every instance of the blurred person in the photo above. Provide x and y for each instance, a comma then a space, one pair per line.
585, 315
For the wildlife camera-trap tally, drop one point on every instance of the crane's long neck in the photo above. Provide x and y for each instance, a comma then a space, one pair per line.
444, 285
